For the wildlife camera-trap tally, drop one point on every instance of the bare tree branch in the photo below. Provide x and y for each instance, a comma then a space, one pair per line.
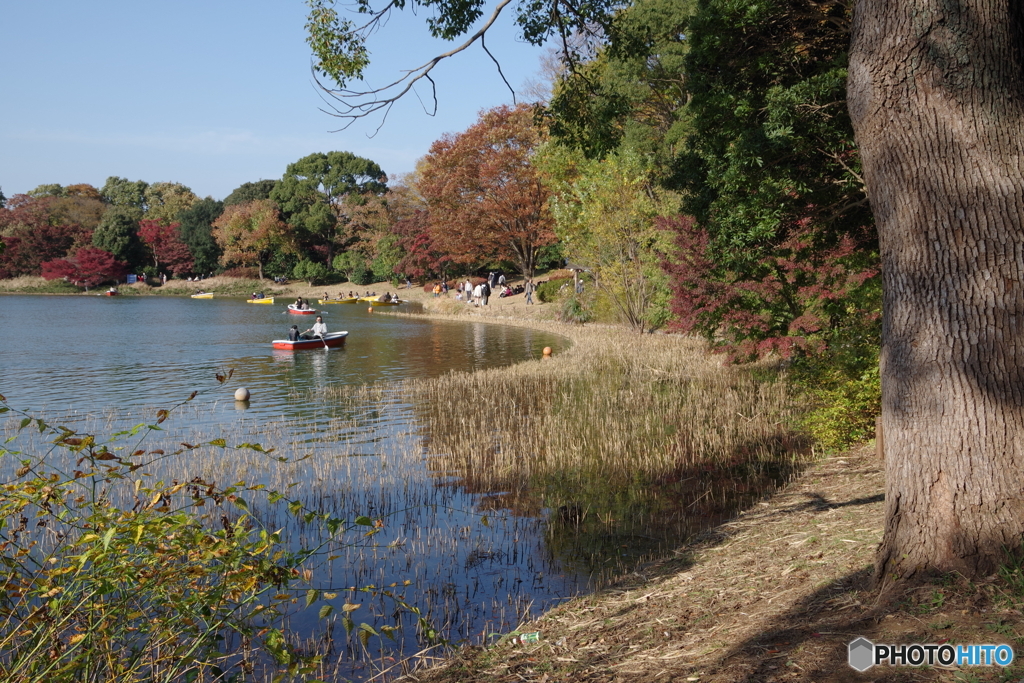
351, 105
500, 73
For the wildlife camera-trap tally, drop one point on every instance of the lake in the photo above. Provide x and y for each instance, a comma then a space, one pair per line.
85, 353
101, 363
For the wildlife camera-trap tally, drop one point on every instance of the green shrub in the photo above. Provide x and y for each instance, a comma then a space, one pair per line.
311, 272
574, 310
361, 275
551, 290
846, 410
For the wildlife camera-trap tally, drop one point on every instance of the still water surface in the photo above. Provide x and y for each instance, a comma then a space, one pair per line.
84, 353
476, 568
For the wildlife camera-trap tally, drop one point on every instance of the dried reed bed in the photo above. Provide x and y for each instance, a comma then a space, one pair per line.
627, 444
616, 404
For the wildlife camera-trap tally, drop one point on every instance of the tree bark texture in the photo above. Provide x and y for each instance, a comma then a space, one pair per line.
936, 96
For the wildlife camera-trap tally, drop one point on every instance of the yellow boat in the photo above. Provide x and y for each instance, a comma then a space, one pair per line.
203, 295
264, 300
346, 300
379, 301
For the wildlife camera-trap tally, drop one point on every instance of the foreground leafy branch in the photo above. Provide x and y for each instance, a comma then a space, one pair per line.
109, 575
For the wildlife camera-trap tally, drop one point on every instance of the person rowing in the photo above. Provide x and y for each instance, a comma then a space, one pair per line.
319, 329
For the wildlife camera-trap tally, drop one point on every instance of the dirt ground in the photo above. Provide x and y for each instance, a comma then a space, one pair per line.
774, 595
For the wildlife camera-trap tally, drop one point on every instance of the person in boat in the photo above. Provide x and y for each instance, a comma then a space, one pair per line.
293, 333
351, 294
387, 297
319, 329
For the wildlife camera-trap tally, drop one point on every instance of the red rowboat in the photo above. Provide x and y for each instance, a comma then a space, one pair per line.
301, 311
330, 340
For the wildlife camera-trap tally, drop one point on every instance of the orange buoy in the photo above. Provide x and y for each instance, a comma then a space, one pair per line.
547, 350
370, 309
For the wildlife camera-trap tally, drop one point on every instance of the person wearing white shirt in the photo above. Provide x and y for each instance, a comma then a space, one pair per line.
319, 329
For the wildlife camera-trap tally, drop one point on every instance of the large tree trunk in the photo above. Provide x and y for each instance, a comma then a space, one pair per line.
937, 101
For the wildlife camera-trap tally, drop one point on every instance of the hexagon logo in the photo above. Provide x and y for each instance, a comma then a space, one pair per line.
861, 654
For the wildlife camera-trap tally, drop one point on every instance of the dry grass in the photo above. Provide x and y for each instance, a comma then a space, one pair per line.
616, 405
36, 285
631, 442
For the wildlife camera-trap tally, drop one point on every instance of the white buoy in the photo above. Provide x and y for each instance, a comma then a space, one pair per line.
241, 394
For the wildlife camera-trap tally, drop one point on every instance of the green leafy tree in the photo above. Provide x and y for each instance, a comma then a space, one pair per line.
632, 93
164, 201
118, 233
606, 215
125, 193
196, 231
50, 190
389, 255
353, 266
316, 189
782, 251
249, 192
311, 271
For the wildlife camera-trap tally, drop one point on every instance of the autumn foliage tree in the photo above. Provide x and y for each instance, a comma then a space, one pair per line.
35, 231
250, 234
421, 257
89, 267
485, 198
166, 246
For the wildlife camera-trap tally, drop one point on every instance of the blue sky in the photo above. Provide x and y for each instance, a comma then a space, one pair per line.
210, 94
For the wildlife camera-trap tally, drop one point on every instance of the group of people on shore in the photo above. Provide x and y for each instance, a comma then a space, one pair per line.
480, 294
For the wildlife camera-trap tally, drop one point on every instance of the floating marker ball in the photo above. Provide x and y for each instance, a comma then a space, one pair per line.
241, 394
547, 350
370, 309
